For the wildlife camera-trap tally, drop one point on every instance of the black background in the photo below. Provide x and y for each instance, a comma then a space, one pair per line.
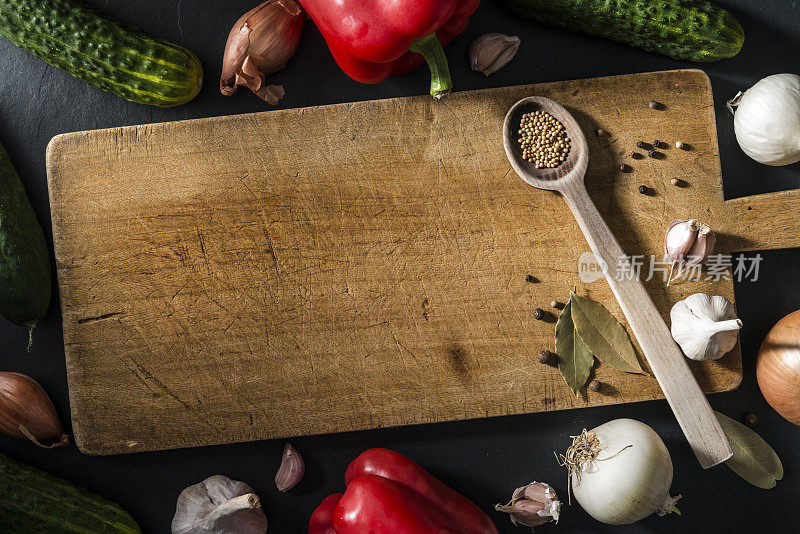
485, 459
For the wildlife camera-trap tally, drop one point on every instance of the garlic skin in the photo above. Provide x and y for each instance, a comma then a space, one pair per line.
532, 505
705, 327
219, 505
260, 43
767, 120
492, 51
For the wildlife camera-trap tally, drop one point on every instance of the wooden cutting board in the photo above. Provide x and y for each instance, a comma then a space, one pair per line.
362, 265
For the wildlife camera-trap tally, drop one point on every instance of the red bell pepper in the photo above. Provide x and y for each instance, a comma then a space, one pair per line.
374, 39
387, 493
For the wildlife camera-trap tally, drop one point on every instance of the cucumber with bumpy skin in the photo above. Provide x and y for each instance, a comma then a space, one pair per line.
113, 56
693, 30
24, 259
34, 502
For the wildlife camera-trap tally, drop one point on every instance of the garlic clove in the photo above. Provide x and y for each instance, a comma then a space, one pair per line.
492, 51
680, 237
702, 247
526, 513
291, 470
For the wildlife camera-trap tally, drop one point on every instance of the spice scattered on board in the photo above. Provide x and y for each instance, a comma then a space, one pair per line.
543, 140
548, 358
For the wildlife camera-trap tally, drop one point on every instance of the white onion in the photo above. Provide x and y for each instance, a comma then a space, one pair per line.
630, 476
767, 120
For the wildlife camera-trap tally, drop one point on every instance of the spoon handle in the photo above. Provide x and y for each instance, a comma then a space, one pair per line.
687, 400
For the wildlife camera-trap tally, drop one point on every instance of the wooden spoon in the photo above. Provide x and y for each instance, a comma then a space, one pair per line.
684, 395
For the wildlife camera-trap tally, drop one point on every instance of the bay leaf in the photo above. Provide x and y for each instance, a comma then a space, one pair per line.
753, 459
574, 359
603, 335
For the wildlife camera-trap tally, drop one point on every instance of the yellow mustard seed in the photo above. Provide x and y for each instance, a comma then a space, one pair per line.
543, 140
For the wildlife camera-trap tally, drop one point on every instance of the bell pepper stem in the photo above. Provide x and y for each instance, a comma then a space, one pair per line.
431, 49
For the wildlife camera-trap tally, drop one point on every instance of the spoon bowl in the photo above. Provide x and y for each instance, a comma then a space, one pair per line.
574, 166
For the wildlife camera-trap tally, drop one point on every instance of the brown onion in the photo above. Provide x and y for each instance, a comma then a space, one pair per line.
778, 367
26, 412
260, 43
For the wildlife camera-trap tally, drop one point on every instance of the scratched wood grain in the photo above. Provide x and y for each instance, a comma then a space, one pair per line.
360, 265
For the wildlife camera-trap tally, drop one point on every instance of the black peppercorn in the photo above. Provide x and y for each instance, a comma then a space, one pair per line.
643, 189
657, 143
530, 278
538, 314
652, 153
595, 385
642, 144
750, 419
624, 168
547, 357
633, 154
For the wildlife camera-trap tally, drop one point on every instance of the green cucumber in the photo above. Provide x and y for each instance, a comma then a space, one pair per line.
692, 30
24, 259
113, 56
33, 501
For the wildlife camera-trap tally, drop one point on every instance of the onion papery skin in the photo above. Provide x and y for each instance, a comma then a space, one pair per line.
631, 485
778, 367
767, 120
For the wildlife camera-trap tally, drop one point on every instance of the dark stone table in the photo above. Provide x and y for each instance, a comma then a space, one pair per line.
486, 458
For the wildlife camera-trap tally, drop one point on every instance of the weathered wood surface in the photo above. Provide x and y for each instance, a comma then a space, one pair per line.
359, 265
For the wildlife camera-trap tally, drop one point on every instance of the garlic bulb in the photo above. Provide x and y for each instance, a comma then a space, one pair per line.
620, 472
767, 120
219, 505
492, 51
532, 505
705, 327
